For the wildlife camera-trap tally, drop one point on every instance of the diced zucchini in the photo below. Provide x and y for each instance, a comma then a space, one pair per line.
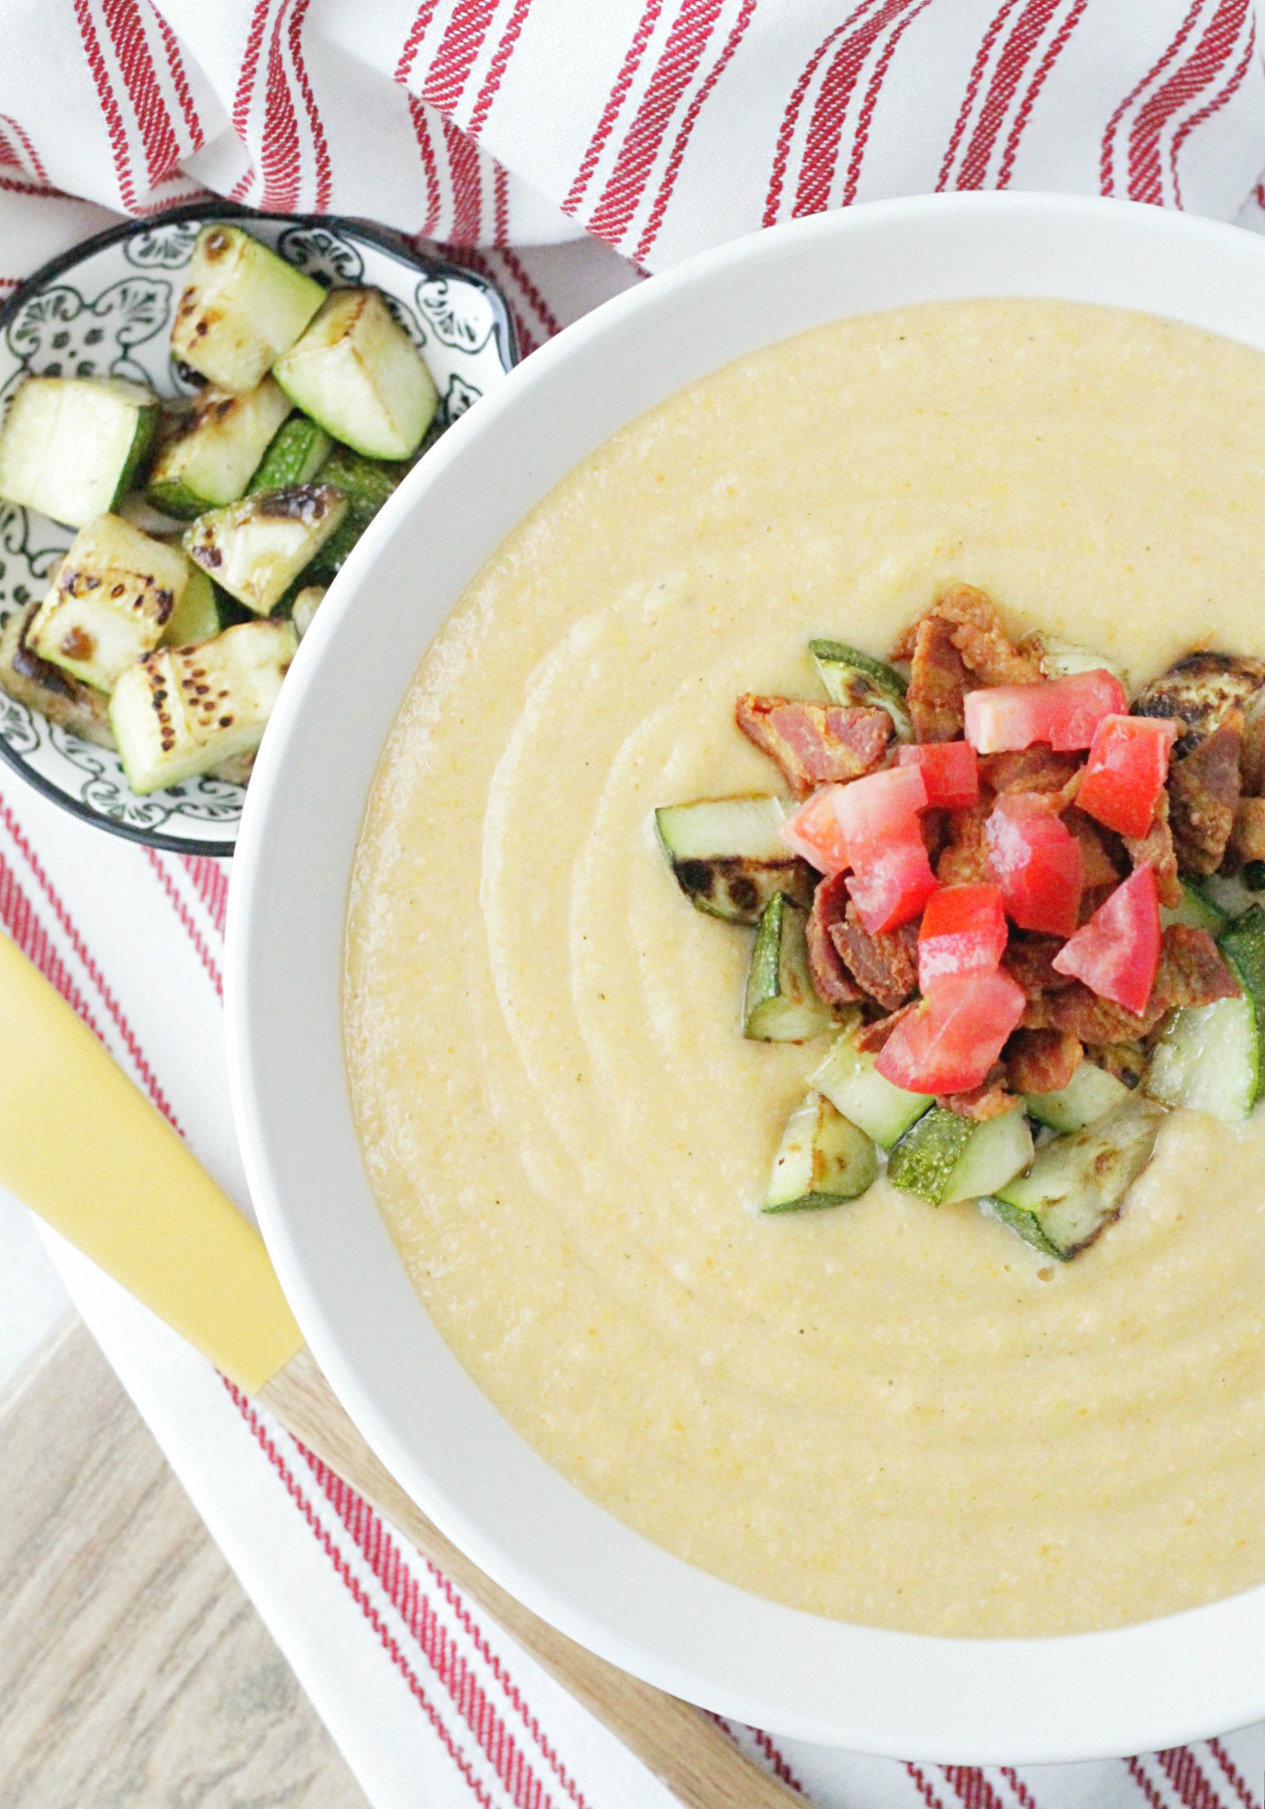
357, 372
203, 612
115, 593
1226, 893
183, 710
1077, 1184
1242, 945
945, 1158
297, 453
1058, 658
243, 306
857, 679
70, 446
728, 858
1088, 1096
854, 1087
303, 609
257, 547
780, 1004
822, 1160
44, 687
366, 483
1198, 910
1208, 1060
215, 450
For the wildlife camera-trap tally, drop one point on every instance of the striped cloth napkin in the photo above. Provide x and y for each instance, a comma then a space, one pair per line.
604, 137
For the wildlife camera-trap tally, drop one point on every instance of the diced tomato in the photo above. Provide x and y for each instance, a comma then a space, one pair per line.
949, 1043
1036, 861
1117, 953
1126, 770
950, 770
963, 931
1063, 711
813, 831
892, 881
877, 809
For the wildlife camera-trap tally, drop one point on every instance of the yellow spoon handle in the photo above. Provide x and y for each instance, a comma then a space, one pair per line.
89, 1154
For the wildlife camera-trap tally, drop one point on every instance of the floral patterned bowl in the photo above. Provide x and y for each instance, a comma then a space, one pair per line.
105, 309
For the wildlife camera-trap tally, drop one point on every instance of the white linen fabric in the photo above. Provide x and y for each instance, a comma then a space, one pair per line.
640, 131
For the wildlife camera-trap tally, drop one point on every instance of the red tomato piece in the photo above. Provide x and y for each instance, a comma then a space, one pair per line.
878, 809
949, 1043
963, 931
950, 770
1117, 953
813, 831
891, 882
1036, 861
1126, 770
1063, 711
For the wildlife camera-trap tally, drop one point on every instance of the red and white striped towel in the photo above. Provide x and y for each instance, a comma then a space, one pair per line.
658, 127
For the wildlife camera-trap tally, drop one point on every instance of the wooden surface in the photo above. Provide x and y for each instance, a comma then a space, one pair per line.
688, 1751
134, 1673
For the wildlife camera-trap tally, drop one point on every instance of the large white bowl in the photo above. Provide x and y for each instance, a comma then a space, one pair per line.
1147, 1686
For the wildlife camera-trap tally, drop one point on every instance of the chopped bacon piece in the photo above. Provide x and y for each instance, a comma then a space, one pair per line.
1098, 863
965, 860
1191, 973
1155, 849
1041, 1061
885, 967
977, 634
1252, 755
1030, 961
870, 1038
990, 1099
815, 743
1203, 789
1248, 835
938, 682
831, 980
1032, 769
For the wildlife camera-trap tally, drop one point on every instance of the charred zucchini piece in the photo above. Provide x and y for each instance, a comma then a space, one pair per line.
256, 548
212, 453
357, 373
297, 453
114, 595
1199, 692
1242, 946
854, 1087
822, 1160
203, 612
70, 446
183, 710
366, 483
46, 688
728, 858
1077, 1184
945, 1158
1198, 909
1088, 1096
780, 1004
242, 307
1208, 1060
303, 609
853, 678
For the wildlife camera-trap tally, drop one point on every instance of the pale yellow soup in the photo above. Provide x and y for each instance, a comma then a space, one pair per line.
885, 1412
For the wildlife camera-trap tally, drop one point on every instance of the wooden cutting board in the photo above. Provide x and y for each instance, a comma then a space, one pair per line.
133, 1670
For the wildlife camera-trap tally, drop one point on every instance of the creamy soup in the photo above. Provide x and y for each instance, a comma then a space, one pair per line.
885, 1412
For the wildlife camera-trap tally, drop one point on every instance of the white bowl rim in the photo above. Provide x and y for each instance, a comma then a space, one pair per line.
909, 1696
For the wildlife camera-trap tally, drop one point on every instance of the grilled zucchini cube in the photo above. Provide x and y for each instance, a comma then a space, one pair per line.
366, 483
297, 452
256, 548
357, 372
243, 306
822, 1160
1077, 1184
216, 449
46, 688
303, 609
185, 710
70, 446
113, 596
203, 612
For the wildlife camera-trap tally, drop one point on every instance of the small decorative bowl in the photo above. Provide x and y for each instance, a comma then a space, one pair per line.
105, 309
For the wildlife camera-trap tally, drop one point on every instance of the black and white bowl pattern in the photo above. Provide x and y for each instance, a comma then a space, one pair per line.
105, 309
